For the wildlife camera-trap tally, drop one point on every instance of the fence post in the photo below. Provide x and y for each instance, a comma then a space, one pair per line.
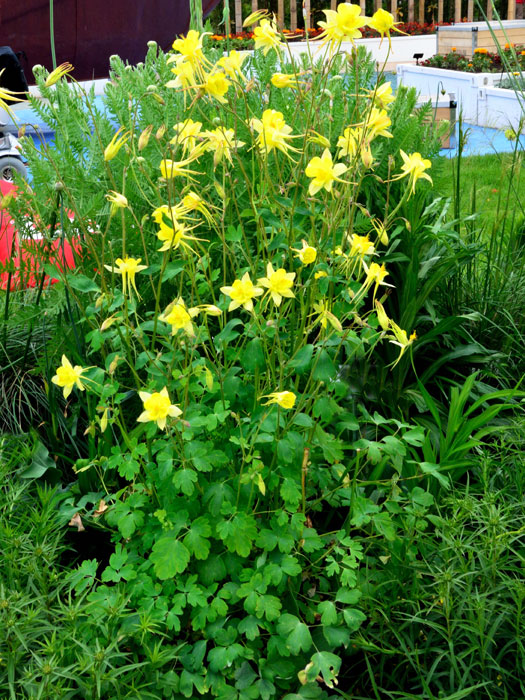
470, 10
440, 11
410, 10
306, 14
457, 10
421, 12
293, 15
511, 9
238, 16
280, 14
489, 10
393, 8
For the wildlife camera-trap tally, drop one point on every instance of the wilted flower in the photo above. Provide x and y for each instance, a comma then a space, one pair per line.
117, 200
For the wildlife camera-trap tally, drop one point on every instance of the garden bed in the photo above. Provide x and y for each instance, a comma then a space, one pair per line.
466, 37
479, 99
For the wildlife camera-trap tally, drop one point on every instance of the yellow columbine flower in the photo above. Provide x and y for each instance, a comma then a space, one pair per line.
193, 202
273, 132
350, 142
172, 168
318, 138
360, 246
117, 200
320, 274
242, 293
59, 72
400, 338
209, 309
383, 95
174, 236
157, 408
128, 268
232, 64
184, 74
68, 376
179, 317
221, 141
254, 17
323, 172
216, 86
325, 316
378, 122
284, 80
186, 133
116, 143
375, 274
383, 319
343, 24
284, 399
414, 166
383, 22
9, 96
307, 254
267, 37
278, 282
190, 47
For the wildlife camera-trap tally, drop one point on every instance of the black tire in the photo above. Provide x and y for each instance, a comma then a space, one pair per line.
8, 164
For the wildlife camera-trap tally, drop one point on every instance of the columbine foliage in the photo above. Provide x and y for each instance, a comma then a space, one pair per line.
225, 297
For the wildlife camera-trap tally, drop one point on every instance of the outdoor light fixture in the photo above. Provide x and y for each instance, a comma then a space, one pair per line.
417, 56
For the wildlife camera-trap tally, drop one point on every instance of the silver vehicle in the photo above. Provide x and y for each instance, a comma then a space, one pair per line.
12, 78
10, 158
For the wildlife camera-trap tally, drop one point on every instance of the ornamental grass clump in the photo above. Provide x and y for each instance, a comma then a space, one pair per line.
229, 259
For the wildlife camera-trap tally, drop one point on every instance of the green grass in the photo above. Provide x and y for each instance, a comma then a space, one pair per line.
489, 186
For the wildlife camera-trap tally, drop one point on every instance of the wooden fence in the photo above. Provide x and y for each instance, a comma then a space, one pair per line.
392, 6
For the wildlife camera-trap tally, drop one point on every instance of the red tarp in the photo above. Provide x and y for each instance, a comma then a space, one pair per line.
88, 32
25, 255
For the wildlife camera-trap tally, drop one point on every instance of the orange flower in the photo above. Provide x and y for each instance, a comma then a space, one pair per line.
453, 49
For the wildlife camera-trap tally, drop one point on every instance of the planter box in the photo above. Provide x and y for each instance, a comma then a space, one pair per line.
403, 48
480, 102
443, 109
467, 36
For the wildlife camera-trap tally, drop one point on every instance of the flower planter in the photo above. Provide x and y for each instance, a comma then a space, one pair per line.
468, 36
403, 48
479, 101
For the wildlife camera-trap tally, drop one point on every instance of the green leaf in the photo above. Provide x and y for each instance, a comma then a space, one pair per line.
302, 360
228, 333
196, 540
238, 533
249, 626
348, 597
325, 664
169, 556
184, 480
384, 525
253, 356
82, 283
296, 634
290, 565
362, 508
328, 612
433, 470
353, 618
290, 493
40, 463
324, 369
